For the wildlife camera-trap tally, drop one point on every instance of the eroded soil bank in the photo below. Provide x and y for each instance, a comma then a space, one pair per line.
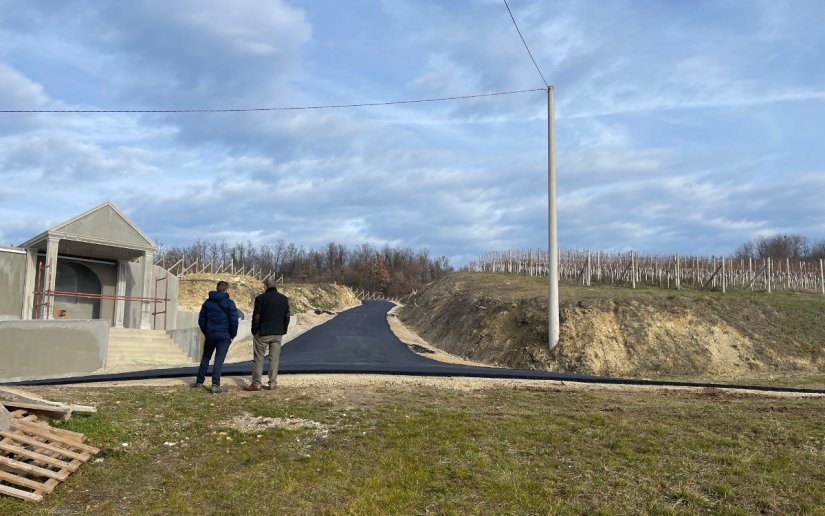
502, 320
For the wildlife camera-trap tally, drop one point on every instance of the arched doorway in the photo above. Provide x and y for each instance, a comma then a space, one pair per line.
76, 278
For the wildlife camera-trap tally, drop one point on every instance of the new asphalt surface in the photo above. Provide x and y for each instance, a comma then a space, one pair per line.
360, 340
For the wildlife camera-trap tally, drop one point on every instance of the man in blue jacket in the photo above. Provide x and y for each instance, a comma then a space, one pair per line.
218, 321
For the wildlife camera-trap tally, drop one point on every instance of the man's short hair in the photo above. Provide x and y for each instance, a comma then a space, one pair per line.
270, 282
222, 286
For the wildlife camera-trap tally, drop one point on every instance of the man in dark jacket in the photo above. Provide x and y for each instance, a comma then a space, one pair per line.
218, 321
270, 320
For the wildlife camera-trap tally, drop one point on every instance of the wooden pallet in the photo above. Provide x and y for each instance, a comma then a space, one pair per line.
35, 458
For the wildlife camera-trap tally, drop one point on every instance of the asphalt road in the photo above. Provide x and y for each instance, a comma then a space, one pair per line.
359, 340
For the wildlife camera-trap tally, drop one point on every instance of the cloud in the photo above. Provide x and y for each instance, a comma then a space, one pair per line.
19, 92
679, 128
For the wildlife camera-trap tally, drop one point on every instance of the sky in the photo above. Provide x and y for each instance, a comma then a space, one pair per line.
681, 127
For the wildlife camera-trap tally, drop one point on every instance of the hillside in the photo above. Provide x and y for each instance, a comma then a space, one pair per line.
654, 333
303, 297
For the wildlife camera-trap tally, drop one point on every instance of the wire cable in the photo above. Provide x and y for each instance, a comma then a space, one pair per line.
525, 44
288, 108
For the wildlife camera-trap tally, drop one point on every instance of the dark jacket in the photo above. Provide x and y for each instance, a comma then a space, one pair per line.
271, 313
219, 315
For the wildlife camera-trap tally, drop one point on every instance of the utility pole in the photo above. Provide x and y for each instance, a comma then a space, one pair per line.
552, 240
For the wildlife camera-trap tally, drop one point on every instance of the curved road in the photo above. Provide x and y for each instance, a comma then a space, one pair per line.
359, 340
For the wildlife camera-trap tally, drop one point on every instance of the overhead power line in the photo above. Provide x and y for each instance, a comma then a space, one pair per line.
287, 108
525, 44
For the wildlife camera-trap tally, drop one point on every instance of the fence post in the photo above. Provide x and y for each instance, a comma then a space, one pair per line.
588, 268
724, 279
633, 268
678, 274
787, 273
822, 275
769, 275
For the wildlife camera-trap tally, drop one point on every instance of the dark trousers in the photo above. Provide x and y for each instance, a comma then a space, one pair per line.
217, 343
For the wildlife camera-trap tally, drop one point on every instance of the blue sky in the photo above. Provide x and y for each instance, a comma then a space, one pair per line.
682, 127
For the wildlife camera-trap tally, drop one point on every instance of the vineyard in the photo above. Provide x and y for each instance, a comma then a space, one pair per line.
670, 272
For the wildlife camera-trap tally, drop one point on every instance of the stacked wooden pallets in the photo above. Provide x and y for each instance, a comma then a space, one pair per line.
35, 457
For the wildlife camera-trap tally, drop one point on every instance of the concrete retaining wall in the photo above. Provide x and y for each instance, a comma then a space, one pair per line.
189, 338
51, 349
12, 281
134, 287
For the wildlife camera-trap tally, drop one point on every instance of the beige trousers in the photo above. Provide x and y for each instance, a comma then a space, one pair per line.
262, 344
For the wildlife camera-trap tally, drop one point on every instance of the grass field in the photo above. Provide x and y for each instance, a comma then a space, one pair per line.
417, 449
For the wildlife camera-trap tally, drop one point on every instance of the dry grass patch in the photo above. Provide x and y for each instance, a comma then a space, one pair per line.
405, 448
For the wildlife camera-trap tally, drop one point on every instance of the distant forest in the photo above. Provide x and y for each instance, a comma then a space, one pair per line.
389, 270
782, 245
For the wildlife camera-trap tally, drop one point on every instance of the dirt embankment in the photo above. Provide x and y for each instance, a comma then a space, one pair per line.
305, 297
502, 320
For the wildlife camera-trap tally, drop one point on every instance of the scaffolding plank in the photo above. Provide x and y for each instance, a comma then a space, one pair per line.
56, 411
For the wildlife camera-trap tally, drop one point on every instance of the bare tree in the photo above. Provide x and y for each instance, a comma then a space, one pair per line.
781, 245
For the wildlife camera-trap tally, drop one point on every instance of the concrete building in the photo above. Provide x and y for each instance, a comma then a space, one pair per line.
70, 289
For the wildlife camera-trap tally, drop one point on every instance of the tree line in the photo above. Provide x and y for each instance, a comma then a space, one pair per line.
388, 270
781, 246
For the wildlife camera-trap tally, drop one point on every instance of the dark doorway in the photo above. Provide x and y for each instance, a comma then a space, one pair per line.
76, 278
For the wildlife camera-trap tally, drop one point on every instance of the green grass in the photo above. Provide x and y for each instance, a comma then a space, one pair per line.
413, 450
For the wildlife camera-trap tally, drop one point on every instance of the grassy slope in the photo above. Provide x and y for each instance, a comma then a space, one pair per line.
414, 449
503, 319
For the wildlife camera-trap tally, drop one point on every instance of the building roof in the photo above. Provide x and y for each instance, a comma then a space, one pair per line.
102, 232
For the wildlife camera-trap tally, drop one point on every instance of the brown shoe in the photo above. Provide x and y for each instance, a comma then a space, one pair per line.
270, 386
252, 387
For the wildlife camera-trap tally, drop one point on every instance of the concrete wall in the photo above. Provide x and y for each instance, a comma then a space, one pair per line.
134, 288
189, 338
166, 288
12, 281
50, 349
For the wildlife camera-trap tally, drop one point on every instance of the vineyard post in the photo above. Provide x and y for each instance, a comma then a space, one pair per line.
599, 266
552, 244
724, 279
822, 275
768, 275
588, 268
787, 273
678, 274
633, 268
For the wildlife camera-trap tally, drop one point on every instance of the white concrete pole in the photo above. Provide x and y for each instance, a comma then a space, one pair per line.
51, 277
769, 279
552, 241
120, 292
148, 279
822, 275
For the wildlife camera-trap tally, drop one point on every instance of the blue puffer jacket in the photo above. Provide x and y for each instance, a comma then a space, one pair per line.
219, 315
